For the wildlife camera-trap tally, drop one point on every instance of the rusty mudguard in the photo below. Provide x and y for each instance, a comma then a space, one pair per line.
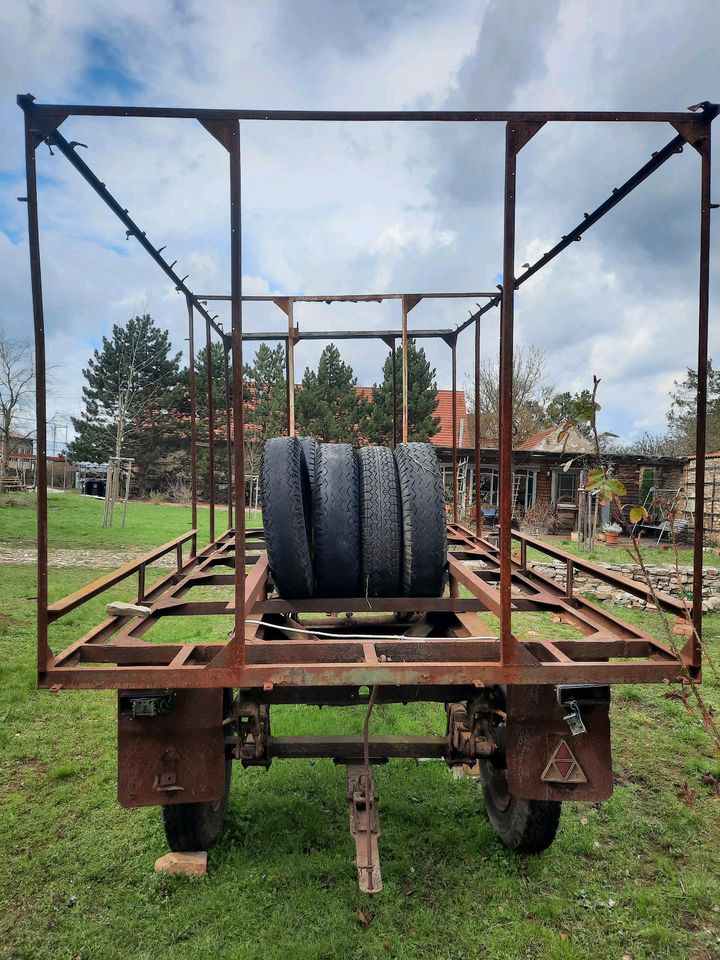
170, 750
545, 761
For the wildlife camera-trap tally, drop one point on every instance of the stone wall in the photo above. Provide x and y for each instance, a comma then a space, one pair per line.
664, 578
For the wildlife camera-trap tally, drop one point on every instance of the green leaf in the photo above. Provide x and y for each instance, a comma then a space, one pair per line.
615, 486
595, 479
637, 514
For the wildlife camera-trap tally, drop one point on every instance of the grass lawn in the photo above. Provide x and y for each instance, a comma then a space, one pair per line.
76, 521
638, 876
604, 554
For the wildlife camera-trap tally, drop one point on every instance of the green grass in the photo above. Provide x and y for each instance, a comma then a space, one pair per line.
76, 521
638, 876
604, 554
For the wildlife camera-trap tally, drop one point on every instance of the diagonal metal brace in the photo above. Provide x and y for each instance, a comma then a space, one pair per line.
364, 826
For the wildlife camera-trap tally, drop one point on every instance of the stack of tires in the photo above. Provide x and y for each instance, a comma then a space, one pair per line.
341, 522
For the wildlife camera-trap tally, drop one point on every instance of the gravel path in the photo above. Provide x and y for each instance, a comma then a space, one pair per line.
101, 559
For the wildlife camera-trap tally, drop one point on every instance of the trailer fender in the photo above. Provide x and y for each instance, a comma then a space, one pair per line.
545, 760
172, 757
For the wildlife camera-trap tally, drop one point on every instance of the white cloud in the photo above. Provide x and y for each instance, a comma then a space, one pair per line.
368, 207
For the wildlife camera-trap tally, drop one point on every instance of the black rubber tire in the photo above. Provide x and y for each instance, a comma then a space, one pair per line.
192, 827
285, 507
309, 446
336, 521
525, 826
380, 523
423, 519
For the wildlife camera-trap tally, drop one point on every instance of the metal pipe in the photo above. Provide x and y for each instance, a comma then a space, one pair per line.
381, 116
394, 392
211, 429
238, 653
453, 350
193, 411
702, 376
478, 486
505, 388
228, 437
291, 369
347, 297
405, 413
44, 655
265, 335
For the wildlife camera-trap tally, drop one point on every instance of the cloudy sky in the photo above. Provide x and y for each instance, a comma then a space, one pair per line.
368, 207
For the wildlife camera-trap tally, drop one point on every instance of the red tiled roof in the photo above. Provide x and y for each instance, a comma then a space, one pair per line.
537, 438
443, 410
444, 436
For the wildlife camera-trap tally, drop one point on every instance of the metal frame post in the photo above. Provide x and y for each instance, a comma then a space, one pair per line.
405, 414
453, 353
44, 654
193, 411
211, 429
694, 653
291, 369
238, 653
228, 435
394, 392
517, 134
478, 486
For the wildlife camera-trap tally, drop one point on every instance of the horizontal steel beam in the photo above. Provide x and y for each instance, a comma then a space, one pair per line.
346, 297
426, 334
364, 116
351, 748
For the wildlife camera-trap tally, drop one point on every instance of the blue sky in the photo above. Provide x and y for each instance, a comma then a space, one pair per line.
372, 208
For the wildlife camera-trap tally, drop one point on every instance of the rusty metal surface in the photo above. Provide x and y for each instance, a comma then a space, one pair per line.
535, 730
364, 827
442, 642
506, 660
178, 757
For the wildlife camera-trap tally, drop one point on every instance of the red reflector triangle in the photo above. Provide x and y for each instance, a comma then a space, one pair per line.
563, 767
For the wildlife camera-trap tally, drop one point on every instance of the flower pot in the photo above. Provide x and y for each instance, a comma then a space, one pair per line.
611, 538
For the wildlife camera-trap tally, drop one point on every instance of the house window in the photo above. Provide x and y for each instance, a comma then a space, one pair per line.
524, 487
564, 486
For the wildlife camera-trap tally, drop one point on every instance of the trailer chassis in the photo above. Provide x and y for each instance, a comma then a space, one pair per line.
176, 722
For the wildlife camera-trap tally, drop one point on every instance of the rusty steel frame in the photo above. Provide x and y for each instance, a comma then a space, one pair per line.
446, 647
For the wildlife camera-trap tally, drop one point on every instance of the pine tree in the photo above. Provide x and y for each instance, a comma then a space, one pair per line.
682, 416
182, 407
327, 405
422, 398
266, 391
265, 402
131, 388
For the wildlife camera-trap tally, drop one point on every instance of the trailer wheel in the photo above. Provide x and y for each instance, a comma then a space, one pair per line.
423, 520
380, 523
336, 521
286, 516
525, 826
191, 827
